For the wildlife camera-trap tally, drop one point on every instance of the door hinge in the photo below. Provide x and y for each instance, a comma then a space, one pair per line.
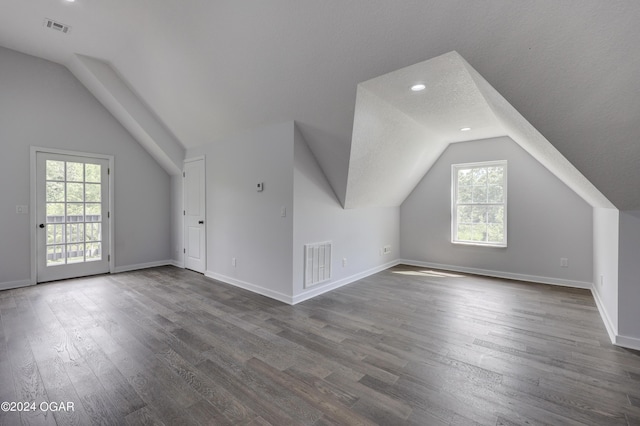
184, 174
108, 215
184, 250
108, 258
108, 170
184, 212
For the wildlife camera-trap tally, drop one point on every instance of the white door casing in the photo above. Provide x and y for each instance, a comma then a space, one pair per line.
72, 214
195, 242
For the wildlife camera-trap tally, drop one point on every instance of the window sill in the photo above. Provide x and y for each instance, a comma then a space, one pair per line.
473, 243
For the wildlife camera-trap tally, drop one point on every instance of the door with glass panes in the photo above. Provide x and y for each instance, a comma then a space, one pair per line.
72, 211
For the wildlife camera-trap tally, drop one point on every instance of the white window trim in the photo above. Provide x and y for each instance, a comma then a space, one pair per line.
454, 196
34, 150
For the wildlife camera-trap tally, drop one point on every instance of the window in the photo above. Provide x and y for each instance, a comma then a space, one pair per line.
479, 203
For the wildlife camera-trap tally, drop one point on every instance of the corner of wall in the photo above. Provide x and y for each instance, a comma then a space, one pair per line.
177, 229
357, 235
249, 232
629, 279
605, 267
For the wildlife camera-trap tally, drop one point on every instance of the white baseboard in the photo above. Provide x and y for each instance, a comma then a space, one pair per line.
128, 268
499, 274
177, 263
616, 339
15, 284
604, 314
251, 287
317, 291
628, 342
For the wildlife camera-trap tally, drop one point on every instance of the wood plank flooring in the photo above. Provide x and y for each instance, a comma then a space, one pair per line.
411, 346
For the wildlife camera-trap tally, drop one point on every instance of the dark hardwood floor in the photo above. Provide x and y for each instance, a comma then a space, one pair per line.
405, 346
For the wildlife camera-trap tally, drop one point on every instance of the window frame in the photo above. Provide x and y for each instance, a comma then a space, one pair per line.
454, 204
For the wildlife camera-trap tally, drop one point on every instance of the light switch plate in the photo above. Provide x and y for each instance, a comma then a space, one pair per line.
22, 209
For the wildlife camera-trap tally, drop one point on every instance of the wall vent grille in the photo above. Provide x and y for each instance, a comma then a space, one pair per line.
317, 263
63, 28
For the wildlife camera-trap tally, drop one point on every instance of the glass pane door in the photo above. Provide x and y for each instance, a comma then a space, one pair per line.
73, 195
73, 206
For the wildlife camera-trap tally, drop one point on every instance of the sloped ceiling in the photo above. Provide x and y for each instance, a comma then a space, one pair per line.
399, 133
105, 84
209, 69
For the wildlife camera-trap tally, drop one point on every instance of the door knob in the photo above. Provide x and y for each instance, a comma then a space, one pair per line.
201, 222
41, 225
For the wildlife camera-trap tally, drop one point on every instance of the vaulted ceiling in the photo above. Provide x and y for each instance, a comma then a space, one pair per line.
210, 68
400, 130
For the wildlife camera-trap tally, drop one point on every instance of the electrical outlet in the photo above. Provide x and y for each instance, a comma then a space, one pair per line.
233, 262
386, 249
564, 262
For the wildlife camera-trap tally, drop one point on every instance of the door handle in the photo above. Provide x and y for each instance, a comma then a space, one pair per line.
41, 226
201, 222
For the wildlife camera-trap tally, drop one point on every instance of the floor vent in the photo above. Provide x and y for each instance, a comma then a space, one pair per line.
317, 263
50, 23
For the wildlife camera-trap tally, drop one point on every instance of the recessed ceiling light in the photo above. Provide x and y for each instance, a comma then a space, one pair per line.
465, 129
418, 87
70, 1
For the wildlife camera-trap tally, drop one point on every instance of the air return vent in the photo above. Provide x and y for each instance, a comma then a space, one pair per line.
50, 23
317, 263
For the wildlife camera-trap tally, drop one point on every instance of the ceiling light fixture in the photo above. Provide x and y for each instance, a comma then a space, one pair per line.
70, 1
418, 87
465, 129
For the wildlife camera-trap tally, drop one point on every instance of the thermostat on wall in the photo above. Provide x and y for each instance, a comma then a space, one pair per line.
260, 186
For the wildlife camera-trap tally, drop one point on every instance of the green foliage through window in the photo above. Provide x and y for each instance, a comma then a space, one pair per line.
73, 212
479, 203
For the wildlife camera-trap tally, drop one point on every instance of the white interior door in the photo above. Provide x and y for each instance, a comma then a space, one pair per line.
195, 242
72, 214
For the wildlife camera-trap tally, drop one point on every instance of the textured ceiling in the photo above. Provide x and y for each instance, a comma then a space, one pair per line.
398, 134
208, 68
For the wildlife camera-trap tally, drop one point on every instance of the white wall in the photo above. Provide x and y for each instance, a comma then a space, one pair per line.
629, 280
356, 234
268, 248
42, 104
605, 266
546, 220
247, 224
